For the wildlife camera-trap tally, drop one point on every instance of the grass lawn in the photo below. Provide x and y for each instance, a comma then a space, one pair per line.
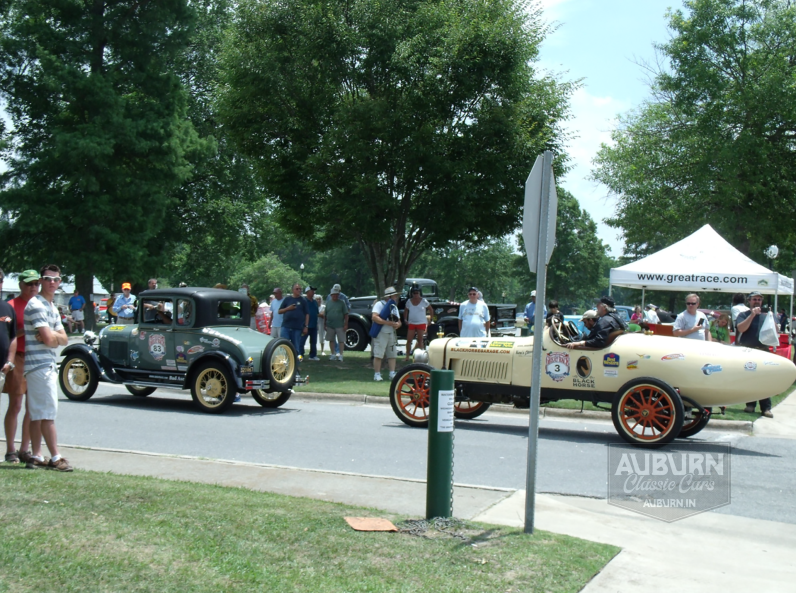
355, 376
89, 531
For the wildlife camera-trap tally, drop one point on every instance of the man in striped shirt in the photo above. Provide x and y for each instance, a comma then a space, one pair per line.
43, 335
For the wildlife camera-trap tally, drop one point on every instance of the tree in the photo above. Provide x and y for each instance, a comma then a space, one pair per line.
716, 143
399, 125
264, 275
579, 267
100, 138
221, 216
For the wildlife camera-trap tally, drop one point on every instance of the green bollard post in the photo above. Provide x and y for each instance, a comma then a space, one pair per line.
439, 482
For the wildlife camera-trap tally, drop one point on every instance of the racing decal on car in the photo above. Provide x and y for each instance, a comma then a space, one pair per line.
195, 350
771, 363
157, 346
610, 372
643, 356
557, 366
675, 356
501, 344
750, 366
142, 336
116, 328
213, 332
525, 352
709, 369
182, 367
481, 350
181, 354
583, 366
169, 368
611, 360
171, 363
134, 332
133, 354
215, 342
633, 364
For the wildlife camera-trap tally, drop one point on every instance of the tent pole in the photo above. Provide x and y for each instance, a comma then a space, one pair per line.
643, 293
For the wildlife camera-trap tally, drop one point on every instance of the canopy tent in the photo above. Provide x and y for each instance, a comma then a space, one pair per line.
702, 262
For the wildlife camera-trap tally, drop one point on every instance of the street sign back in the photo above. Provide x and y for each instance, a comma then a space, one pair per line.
533, 201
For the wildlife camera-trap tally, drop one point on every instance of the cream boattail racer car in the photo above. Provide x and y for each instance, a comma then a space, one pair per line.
658, 387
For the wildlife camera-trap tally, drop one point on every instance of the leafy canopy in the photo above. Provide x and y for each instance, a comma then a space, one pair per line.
716, 144
399, 125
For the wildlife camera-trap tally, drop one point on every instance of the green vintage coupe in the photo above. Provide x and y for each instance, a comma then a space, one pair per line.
185, 338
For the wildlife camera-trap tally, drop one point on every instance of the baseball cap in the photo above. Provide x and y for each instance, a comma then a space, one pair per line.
309, 288
29, 276
754, 293
126, 286
533, 293
606, 300
336, 289
590, 314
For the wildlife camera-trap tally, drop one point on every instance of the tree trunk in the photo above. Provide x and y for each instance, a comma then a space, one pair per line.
84, 283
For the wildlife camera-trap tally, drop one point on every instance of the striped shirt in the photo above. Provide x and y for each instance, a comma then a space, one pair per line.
39, 313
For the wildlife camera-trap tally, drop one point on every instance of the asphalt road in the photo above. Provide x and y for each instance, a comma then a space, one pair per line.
369, 439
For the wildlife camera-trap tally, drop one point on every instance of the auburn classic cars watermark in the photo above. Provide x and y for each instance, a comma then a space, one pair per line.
672, 483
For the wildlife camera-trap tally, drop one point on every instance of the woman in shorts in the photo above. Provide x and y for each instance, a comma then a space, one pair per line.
415, 317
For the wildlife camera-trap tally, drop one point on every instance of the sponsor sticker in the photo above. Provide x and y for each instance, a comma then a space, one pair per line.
684, 480
134, 332
525, 352
142, 336
501, 344
675, 356
643, 356
169, 368
583, 383
750, 366
633, 364
195, 350
171, 362
611, 372
246, 370
116, 328
182, 367
133, 354
611, 360
479, 350
157, 346
181, 357
709, 369
215, 342
557, 365
583, 367
771, 363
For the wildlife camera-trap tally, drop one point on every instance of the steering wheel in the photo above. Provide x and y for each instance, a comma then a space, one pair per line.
555, 328
572, 330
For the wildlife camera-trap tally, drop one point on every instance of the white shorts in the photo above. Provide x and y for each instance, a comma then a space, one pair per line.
43, 393
77, 315
383, 344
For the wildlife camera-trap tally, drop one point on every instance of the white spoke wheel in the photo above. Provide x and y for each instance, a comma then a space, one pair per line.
78, 377
212, 388
279, 366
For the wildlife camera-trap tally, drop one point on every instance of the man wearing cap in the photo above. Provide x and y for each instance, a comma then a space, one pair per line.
607, 322
473, 316
8, 357
386, 320
76, 305
124, 307
747, 328
530, 310
344, 298
650, 316
312, 325
692, 323
589, 319
44, 334
336, 317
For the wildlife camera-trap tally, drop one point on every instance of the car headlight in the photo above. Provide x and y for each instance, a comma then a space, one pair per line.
420, 356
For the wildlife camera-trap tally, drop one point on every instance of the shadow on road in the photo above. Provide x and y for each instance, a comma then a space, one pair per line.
171, 404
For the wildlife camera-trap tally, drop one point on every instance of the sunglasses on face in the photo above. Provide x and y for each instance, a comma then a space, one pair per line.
692, 304
51, 279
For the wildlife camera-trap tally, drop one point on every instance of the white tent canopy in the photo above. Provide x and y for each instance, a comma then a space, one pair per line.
702, 262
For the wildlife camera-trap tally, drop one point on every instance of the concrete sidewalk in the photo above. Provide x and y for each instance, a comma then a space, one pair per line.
707, 552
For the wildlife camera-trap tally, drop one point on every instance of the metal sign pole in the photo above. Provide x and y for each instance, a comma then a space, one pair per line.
538, 340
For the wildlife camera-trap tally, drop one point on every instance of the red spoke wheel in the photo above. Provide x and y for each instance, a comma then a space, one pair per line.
647, 411
467, 410
694, 423
410, 394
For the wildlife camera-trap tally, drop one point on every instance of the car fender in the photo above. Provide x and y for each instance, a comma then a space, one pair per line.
93, 358
222, 357
366, 322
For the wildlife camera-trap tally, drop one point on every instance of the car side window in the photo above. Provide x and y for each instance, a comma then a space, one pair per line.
229, 310
184, 312
156, 311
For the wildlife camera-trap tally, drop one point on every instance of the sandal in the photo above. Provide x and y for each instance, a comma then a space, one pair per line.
12, 457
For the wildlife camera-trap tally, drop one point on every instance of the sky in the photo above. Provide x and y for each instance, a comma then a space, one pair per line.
603, 42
